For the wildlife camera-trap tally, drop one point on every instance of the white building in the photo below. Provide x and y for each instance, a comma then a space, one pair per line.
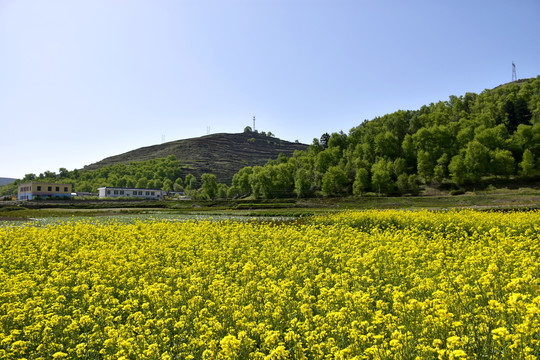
114, 192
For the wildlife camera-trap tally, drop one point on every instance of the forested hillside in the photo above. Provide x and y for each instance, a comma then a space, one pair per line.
453, 143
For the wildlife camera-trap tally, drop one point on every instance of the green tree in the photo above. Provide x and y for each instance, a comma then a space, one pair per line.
334, 181
233, 192
51, 175
152, 184
302, 182
84, 186
400, 166
324, 140
527, 164
142, 183
327, 158
440, 172
361, 182
28, 178
409, 151
190, 182
458, 171
493, 138
222, 191
386, 145
413, 184
381, 181
465, 136
130, 182
209, 185
167, 185
502, 163
260, 182
338, 140
425, 166
158, 184
122, 182
402, 183
63, 173
179, 182
241, 180
476, 160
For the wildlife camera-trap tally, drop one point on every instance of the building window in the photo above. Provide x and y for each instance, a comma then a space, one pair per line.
153, 193
65, 189
121, 192
58, 188
49, 188
39, 188
108, 192
115, 192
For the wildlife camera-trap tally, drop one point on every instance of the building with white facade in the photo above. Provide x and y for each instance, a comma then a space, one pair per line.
115, 192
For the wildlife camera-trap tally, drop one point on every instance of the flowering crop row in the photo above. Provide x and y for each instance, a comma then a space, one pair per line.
365, 285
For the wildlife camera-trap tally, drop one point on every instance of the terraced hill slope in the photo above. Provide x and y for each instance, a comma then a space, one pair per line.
219, 154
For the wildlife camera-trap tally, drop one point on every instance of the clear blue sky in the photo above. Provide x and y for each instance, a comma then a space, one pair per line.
83, 80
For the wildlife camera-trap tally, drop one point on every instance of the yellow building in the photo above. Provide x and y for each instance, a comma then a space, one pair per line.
35, 190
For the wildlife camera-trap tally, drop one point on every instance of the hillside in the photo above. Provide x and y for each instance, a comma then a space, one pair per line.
5, 181
220, 154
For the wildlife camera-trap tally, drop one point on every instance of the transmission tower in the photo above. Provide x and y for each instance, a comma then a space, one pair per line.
514, 74
253, 123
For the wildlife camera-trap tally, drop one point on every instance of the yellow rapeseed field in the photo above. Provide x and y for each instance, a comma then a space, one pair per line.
354, 285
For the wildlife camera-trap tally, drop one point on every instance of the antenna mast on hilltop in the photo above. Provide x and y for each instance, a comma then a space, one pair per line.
253, 123
514, 75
